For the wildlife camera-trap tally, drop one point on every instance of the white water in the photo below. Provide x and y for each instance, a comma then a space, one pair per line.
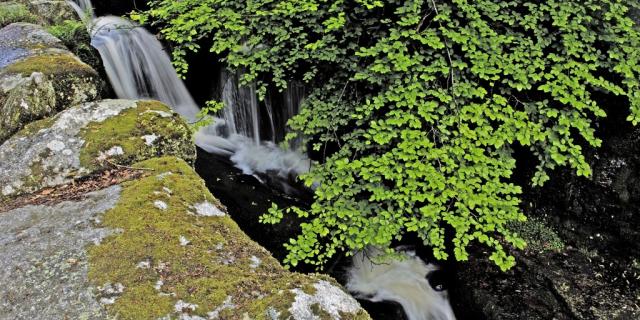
139, 68
404, 282
83, 8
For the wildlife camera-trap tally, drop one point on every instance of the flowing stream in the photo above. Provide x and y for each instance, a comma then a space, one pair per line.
247, 131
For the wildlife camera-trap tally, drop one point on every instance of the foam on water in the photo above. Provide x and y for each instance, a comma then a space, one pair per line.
402, 281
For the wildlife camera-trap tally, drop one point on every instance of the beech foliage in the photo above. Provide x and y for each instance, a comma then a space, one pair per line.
416, 106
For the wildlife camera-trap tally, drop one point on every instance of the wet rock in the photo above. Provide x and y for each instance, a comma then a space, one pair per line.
88, 138
39, 77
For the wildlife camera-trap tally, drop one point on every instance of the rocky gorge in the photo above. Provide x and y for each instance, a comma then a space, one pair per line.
104, 216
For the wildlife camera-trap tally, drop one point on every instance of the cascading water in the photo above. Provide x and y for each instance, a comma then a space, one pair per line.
403, 281
138, 68
84, 8
244, 117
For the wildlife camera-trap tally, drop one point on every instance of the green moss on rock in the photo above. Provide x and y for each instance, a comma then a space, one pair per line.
33, 127
42, 85
149, 130
11, 12
74, 36
51, 64
51, 12
167, 253
540, 237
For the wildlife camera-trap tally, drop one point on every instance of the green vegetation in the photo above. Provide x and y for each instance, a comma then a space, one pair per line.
74, 35
195, 273
11, 12
540, 237
417, 105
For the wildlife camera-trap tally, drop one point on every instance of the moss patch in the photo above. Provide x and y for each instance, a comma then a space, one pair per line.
540, 237
172, 136
215, 265
50, 64
33, 127
11, 12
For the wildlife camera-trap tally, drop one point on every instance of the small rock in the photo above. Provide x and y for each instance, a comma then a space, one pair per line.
149, 139
182, 306
207, 209
160, 205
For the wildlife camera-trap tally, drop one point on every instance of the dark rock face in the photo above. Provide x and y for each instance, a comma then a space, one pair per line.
118, 7
597, 274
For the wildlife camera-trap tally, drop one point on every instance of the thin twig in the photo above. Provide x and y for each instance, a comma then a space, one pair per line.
126, 167
424, 18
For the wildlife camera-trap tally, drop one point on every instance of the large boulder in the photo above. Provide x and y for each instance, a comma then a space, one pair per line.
88, 138
43, 264
156, 246
39, 77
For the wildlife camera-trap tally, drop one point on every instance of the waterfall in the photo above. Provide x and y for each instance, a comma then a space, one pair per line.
243, 118
403, 281
292, 99
138, 68
83, 8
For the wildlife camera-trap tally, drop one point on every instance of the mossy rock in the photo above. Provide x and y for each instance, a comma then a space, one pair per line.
12, 11
149, 130
179, 255
538, 234
43, 12
50, 12
89, 138
39, 77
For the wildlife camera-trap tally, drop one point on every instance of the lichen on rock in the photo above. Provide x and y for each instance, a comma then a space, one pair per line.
13, 11
51, 12
44, 262
87, 138
44, 12
213, 274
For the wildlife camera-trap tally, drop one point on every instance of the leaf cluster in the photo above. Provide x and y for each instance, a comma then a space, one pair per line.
417, 105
